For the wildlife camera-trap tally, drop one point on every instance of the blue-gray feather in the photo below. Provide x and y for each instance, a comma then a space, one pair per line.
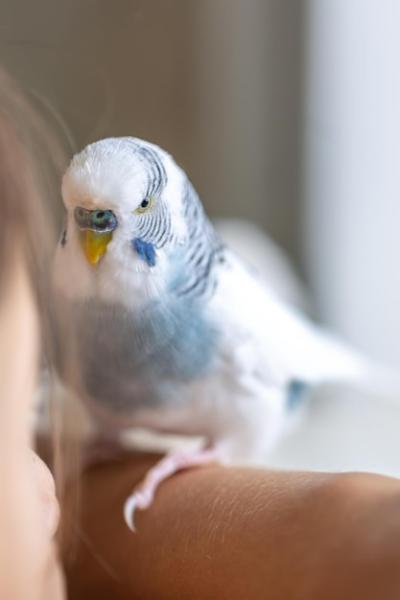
128, 360
296, 393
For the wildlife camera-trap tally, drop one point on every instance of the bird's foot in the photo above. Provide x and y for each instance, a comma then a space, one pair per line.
173, 462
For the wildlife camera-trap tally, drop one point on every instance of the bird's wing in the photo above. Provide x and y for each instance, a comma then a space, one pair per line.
281, 345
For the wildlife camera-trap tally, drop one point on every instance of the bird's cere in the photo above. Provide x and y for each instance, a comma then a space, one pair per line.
96, 227
96, 220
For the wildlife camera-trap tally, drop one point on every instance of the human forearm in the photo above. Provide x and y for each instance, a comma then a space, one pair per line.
240, 533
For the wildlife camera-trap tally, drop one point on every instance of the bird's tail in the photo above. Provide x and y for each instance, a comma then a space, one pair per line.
369, 378
380, 381
343, 365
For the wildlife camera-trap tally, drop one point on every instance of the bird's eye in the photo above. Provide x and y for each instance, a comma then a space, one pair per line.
145, 205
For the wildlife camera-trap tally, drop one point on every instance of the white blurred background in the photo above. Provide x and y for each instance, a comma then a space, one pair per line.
285, 113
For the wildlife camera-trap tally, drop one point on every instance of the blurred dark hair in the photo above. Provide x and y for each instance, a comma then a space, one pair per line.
31, 162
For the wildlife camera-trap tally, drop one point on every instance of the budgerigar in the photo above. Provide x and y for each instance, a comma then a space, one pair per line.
174, 333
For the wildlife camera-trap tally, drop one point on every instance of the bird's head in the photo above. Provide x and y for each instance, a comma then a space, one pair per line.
124, 199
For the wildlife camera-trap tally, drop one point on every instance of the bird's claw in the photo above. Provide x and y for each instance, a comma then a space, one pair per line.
141, 499
129, 511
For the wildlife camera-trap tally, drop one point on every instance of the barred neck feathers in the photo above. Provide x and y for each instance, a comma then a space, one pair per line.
155, 227
201, 252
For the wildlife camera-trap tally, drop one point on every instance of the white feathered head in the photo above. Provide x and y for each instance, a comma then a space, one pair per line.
135, 226
122, 190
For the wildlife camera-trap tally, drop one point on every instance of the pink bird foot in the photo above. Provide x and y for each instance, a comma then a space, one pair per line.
173, 462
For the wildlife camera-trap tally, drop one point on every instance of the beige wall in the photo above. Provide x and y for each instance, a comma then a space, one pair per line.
214, 81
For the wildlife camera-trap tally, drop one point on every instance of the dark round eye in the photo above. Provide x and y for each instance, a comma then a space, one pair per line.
145, 205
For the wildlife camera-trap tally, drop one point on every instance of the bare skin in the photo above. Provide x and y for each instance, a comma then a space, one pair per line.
29, 567
216, 532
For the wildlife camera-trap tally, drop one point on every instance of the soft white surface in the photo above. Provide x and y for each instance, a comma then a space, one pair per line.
341, 431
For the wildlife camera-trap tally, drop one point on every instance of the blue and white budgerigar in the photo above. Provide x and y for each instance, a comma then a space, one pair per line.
174, 333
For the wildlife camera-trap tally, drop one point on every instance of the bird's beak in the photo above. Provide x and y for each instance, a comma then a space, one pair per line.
94, 244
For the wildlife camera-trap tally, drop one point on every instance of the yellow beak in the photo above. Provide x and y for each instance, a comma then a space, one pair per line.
94, 244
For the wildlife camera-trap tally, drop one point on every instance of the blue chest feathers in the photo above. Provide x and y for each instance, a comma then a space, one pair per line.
130, 359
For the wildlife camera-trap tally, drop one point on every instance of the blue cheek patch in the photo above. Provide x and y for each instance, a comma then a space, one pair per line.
145, 250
